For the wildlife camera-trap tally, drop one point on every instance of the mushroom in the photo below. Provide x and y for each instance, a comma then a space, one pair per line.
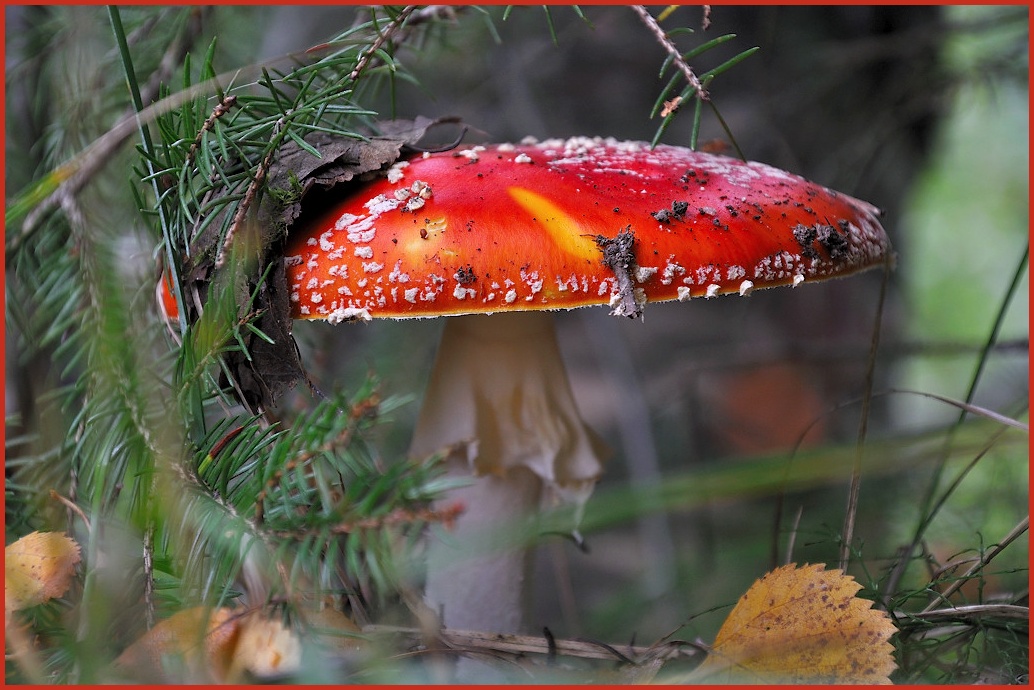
496, 236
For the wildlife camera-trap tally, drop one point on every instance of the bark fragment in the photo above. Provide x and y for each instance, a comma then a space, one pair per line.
619, 256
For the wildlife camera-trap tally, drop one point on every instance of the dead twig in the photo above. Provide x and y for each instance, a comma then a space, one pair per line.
72, 507
522, 645
970, 613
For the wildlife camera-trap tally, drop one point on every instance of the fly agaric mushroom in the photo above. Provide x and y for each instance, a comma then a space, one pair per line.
514, 230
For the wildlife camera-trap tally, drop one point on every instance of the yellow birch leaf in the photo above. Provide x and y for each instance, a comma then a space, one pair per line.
802, 625
38, 567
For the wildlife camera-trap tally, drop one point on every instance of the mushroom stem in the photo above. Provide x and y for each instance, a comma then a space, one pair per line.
500, 403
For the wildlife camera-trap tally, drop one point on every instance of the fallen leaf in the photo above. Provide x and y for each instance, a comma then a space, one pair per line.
265, 650
38, 567
226, 645
802, 625
198, 642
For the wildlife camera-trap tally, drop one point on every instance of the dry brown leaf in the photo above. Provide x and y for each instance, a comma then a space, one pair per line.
38, 567
802, 625
199, 638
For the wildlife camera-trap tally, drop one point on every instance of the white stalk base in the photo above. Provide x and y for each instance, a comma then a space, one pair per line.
500, 399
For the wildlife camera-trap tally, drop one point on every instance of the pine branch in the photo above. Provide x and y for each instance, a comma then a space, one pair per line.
672, 50
393, 30
523, 645
61, 186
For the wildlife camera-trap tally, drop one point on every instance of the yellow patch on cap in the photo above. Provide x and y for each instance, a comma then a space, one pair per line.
566, 232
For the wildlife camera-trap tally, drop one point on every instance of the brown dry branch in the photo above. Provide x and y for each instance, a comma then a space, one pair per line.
544, 645
249, 197
977, 614
398, 30
70, 505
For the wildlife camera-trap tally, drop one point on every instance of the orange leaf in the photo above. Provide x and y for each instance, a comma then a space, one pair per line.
802, 625
200, 638
38, 567
202, 645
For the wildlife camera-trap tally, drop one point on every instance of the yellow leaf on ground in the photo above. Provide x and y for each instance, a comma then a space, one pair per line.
38, 567
802, 625
202, 645
265, 649
197, 643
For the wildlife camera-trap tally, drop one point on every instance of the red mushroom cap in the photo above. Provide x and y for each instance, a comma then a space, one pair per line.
504, 227
165, 299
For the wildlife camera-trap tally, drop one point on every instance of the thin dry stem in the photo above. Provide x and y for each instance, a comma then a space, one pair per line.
863, 426
543, 645
149, 590
792, 541
973, 612
72, 507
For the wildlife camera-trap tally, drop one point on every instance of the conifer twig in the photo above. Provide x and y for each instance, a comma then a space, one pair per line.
366, 57
409, 17
672, 50
220, 109
245, 204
